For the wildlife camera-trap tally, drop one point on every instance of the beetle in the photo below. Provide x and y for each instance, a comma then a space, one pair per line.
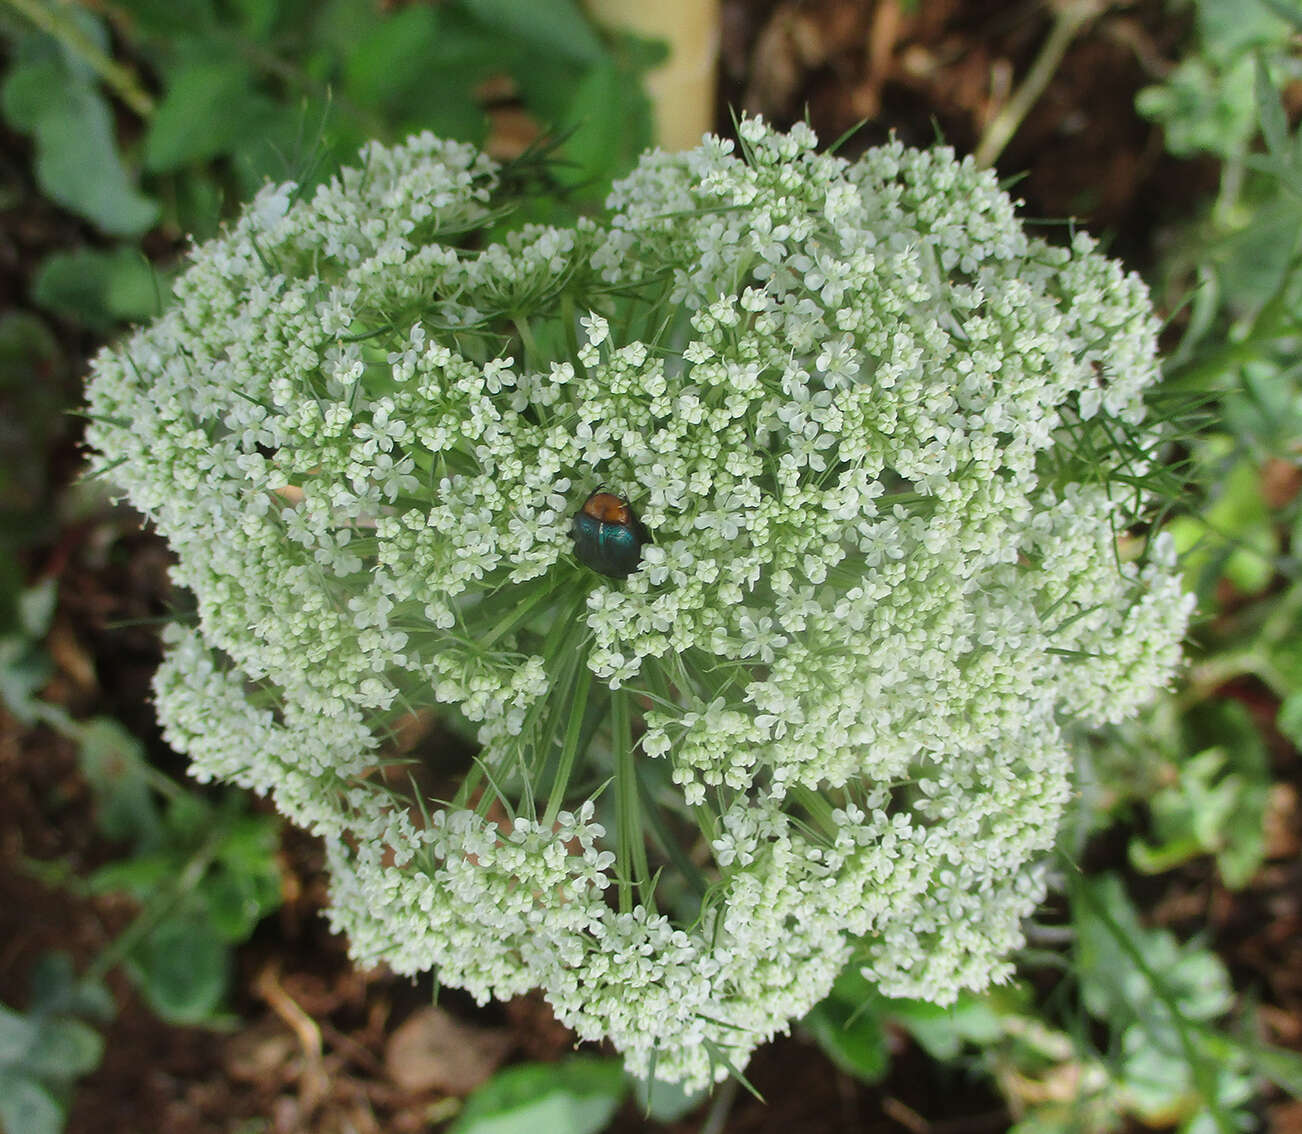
608, 537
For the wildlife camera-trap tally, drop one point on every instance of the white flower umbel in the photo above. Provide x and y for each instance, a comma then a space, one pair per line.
882, 443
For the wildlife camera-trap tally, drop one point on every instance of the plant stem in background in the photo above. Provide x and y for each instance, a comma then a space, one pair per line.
55, 20
1070, 17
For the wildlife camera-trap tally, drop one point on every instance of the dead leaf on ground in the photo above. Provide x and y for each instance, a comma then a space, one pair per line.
433, 1050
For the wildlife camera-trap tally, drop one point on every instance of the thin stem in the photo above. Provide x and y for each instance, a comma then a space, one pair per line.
570, 745
1070, 18
630, 864
54, 20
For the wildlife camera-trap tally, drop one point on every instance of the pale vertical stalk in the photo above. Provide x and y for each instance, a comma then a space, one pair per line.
1070, 16
631, 863
681, 89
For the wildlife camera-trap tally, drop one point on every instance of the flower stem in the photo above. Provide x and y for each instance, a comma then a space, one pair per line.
631, 847
1070, 18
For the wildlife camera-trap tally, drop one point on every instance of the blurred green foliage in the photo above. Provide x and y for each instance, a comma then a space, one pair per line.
1140, 1026
47, 1047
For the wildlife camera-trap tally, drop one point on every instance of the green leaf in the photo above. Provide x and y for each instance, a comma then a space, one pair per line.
1289, 721
17, 1034
1226, 28
77, 162
556, 27
1270, 110
943, 1031
1286, 11
56, 989
100, 289
181, 969
611, 121
245, 884
64, 1049
26, 1107
166, 19
850, 1026
205, 112
1280, 1066
114, 763
419, 68
575, 1096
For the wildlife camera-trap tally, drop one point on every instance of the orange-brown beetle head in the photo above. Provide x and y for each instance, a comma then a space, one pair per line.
608, 508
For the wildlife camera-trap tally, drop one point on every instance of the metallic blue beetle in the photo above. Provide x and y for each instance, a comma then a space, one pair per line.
607, 536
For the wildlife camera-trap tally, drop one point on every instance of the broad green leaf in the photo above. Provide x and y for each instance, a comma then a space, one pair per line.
1285, 10
1203, 109
258, 17
1115, 986
1270, 110
100, 289
942, 1031
394, 56
611, 121
36, 608
26, 1107
77, 162
17, 1034
855, 1043
181, 969
64, 1049
558, 27
420, 66
206, 110
575, 1096
168, 19
1235, 536
1227, 28
244, 884
57, 989
1289, 721
114, 763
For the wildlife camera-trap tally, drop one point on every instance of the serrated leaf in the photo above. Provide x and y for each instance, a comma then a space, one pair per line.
77, 162
575, 1096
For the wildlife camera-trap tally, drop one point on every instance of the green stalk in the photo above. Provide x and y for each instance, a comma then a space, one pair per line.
631, 847
56, 21
570, 745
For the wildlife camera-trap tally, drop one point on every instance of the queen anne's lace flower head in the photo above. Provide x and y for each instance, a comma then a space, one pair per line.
871, 429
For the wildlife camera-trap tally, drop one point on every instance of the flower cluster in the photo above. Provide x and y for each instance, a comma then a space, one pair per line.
870, 427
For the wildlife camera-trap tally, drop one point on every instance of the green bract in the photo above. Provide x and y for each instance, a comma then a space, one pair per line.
878, 438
